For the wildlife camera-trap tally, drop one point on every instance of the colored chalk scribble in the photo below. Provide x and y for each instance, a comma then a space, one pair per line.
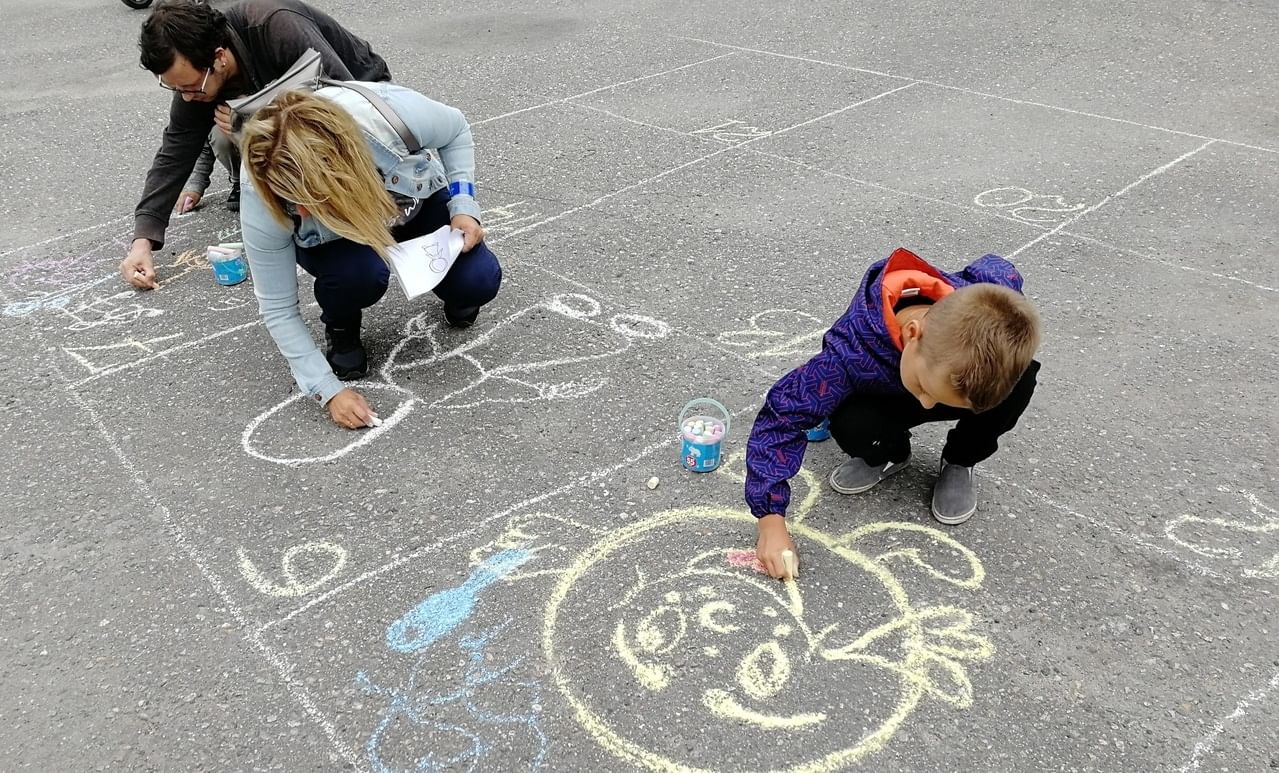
452, 720
434, 618
741, 653
446, 724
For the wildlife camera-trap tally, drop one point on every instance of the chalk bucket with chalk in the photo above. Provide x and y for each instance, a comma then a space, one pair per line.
228, 264
820, 432
703, 425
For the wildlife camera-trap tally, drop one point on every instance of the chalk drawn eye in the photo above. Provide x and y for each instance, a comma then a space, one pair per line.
709, 616
636, 326
660, 630
574, 305
764, 672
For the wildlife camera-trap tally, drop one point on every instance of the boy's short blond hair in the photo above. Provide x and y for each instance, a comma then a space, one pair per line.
985, 335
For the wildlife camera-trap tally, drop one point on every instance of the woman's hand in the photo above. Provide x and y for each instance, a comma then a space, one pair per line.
349, 409
472, 231
773, 539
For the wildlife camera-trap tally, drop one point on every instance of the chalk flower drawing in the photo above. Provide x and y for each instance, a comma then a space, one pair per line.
709, 634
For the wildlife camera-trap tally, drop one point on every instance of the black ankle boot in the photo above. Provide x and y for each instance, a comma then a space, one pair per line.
346, 354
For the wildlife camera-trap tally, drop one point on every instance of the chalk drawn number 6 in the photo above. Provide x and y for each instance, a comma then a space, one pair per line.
293, 585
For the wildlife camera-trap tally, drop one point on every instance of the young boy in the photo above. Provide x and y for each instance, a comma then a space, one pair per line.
916, 345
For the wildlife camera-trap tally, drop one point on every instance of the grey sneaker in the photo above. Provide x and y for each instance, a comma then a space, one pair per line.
954, 494
855, 475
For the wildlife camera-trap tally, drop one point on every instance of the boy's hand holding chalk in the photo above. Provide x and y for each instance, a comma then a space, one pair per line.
792, 565
773, 543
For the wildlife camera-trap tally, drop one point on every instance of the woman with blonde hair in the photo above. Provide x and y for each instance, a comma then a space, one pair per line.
332, 185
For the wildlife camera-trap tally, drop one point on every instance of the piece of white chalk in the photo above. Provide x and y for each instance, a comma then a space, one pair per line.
792, 568
652, 483
376, 422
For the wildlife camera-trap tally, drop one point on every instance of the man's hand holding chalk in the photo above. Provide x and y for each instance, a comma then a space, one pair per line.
188, 201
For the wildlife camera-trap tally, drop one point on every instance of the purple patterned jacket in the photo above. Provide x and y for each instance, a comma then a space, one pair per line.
860, 353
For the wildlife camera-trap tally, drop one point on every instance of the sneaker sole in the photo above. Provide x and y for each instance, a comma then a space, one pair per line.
882, 477
952, 520
349, 375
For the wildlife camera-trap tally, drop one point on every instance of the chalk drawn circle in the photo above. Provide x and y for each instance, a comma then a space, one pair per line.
362, 437
997, 197
574, 305
573, 623
636, 326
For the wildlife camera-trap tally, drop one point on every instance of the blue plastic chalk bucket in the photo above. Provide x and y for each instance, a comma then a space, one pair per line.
228, 264
703, 425
820, 432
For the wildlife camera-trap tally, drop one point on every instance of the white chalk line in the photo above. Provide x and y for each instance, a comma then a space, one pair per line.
701, 159
1205, 745
96, 226
984, 212
609, 87
71, 386
363, 437
1194, 566
1148, 175
1169, 263
974, 92
480, 122
399, 561
829, 172
275, 659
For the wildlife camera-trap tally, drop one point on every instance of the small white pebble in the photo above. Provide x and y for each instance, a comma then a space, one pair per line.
652, 483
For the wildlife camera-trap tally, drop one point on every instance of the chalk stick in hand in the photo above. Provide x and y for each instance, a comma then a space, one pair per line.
376, 422
792, 568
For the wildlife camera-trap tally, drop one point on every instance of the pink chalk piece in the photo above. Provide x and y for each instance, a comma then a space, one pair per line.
745, 559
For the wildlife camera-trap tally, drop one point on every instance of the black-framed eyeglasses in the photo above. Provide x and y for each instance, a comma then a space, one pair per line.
190, 92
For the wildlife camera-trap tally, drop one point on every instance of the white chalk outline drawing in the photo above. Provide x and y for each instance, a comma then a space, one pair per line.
733, 132
1022, 203
508, 217
127, 344
520, 377
293, 585
924, 648
779, 341
1266, 522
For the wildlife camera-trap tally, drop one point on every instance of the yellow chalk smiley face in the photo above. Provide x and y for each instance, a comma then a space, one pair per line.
693, 634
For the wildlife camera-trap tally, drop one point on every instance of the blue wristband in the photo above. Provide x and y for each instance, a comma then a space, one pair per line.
462, 188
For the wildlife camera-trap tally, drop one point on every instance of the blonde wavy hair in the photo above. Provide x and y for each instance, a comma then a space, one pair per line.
304, 149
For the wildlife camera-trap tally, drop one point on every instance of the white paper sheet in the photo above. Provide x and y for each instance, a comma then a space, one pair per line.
420, 264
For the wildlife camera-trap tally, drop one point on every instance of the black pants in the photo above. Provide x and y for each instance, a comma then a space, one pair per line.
350, 277
876, 428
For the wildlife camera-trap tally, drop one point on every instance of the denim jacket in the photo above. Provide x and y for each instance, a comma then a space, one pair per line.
271, 246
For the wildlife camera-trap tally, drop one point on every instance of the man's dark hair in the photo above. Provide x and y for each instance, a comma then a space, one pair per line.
182, 27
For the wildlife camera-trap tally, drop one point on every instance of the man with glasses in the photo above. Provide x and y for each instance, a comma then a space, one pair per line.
205, 57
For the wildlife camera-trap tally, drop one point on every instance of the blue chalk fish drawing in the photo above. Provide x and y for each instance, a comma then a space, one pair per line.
428, 711
440, 613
